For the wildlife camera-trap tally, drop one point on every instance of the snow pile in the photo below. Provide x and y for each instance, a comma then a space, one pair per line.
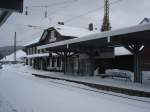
19, 56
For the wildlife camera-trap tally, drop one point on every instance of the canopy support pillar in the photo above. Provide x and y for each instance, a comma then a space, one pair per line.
65, 62
136, 50
92, 63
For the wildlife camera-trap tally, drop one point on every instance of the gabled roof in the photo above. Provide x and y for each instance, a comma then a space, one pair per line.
66, 31
145, 20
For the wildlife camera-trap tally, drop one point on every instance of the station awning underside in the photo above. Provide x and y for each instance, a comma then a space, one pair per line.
139, 34
4, 16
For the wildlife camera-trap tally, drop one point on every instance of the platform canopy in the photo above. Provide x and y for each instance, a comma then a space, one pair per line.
135, 34
133, 38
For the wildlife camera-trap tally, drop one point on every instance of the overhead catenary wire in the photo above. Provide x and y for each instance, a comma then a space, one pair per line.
90, 11
47, 6
70, 19
51, 5
73, 18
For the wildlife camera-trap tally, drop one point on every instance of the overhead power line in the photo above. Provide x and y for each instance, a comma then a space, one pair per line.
51, 5
90, 11
73, 18
47, 6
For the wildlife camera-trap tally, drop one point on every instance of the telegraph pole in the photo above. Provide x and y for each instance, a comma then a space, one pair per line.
15, 47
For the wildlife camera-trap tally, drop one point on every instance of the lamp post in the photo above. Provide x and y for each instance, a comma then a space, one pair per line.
15, 47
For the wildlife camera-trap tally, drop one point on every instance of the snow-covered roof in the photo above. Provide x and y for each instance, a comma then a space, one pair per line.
36, 40
65, 31
38, 55
41, 55
123, 31
121, 51
19, 55
73, 31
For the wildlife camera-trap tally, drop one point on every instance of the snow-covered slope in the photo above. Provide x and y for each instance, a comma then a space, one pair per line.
19, 56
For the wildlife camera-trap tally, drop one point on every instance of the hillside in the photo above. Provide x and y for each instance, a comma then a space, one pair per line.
7, 50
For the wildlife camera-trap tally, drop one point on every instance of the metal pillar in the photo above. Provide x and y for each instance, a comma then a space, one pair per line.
136, 50
65, 62
137, 68
92, 63
15, 47
106, 24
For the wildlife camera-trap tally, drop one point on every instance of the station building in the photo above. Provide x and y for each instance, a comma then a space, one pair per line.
80, 51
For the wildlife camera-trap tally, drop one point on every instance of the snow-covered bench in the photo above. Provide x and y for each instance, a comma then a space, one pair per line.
115, 73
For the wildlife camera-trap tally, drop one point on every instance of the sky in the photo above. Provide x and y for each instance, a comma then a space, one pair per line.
123, 13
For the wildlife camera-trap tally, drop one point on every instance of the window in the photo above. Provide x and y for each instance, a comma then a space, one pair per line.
58, 62
33, 50
28, 51
52, 37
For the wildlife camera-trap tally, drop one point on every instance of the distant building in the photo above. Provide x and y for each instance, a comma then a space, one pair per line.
145, 20
56, 59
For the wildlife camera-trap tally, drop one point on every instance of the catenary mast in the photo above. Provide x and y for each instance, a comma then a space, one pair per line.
106, 24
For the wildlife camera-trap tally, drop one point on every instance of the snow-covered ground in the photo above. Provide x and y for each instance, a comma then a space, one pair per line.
96, 79
22, 92
19, 56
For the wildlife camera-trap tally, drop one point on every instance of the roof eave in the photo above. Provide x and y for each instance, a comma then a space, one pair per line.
4, 16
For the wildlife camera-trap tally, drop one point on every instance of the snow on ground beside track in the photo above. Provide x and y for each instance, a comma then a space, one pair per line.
27, 71
30, 95
96, 79
5, 106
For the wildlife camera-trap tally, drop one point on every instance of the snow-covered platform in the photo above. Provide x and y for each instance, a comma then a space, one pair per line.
109, 84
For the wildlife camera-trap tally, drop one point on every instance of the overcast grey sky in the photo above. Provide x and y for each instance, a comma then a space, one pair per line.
122, 14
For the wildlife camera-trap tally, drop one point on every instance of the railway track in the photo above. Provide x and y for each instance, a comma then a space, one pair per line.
92, 89
101, 92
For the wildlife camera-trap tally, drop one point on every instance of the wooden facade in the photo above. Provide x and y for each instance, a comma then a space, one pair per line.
37, 58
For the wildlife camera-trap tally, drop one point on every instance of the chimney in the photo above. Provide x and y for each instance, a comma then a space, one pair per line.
61, 23
91, 27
